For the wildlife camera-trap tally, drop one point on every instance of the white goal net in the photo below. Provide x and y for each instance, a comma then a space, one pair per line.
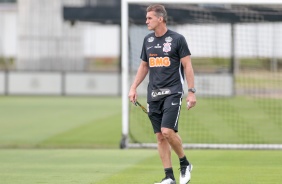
237, 59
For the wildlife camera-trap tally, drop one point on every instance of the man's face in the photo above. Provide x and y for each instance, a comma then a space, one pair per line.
152, 20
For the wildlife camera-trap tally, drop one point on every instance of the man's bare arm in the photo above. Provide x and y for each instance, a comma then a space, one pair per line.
189, 74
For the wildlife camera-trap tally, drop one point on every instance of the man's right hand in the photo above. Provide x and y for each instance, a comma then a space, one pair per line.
132, 95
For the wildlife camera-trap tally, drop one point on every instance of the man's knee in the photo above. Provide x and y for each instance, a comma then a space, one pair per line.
167, 133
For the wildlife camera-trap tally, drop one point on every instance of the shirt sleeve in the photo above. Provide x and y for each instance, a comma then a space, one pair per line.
143, 52
183, 47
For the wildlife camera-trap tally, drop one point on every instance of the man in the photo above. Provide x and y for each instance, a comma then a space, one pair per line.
166, 55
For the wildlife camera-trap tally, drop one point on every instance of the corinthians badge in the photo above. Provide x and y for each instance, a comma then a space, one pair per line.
167, 47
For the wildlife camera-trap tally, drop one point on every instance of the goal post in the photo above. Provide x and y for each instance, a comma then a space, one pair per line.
225, 53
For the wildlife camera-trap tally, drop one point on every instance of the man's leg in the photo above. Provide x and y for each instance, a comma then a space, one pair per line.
171, 112
175, 142
165, 155
164, 150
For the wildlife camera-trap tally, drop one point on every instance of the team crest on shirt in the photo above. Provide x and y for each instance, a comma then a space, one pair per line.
168, 39
151, 39
167, 47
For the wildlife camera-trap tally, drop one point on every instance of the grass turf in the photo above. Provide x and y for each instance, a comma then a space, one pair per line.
77, 122
237, 120
95, 122
107, 166
60, 122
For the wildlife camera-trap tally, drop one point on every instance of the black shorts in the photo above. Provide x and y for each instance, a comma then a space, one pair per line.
165, 113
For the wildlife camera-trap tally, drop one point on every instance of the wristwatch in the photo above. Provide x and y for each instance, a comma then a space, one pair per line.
193, 90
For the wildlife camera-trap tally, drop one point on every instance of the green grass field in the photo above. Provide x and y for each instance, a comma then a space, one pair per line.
237, 120
76, 140
107, 166
29, 122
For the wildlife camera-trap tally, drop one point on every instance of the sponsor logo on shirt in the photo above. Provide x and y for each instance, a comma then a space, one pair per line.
159, 61
151, 39
158, 46
168, 39
160, 92
153, 55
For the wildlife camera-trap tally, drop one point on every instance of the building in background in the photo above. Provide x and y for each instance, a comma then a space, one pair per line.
34, 36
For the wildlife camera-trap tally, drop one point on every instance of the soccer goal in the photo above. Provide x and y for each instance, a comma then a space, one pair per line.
237, 59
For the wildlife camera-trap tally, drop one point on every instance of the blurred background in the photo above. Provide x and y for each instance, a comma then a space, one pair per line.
71, 39
39, 45
64, 50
